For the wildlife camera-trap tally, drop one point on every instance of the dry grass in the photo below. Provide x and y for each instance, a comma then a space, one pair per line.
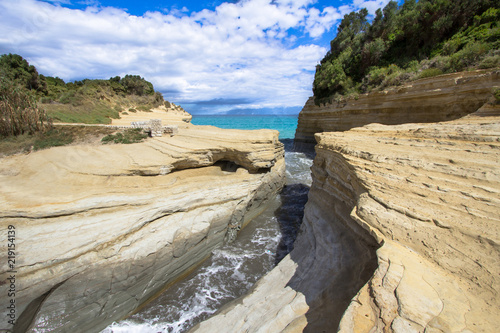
57, 136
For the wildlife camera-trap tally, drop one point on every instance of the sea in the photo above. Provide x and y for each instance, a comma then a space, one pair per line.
233, 268
285, 124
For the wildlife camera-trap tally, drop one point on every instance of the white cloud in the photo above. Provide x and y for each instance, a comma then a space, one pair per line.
317, 23
371, 5
237, 51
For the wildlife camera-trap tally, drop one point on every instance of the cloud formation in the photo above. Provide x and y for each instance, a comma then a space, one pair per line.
239, 51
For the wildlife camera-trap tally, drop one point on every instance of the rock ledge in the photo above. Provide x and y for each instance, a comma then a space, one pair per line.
101, 229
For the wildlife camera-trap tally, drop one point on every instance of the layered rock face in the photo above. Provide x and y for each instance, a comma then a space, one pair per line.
101, 229
407, 213
440, 98
312, 286
430, 195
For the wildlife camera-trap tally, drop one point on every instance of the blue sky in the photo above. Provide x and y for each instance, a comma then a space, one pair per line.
210, 56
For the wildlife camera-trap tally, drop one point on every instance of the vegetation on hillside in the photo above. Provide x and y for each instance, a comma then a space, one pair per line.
410, 41
98, 101
19, 112
86, 101
29, 102
56, 136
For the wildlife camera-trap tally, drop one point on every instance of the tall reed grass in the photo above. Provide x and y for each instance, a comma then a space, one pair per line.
19, 113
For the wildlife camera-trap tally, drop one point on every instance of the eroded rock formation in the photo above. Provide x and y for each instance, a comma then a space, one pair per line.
409, 212
430, 195
101, 229
439, 98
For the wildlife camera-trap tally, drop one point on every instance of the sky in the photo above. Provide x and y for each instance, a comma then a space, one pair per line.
209, 56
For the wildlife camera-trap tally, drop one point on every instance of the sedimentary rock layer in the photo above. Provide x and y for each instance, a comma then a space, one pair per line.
429, 196
101, 229
440, 98
311, 287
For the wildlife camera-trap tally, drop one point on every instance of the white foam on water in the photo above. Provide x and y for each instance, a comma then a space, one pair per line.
298, 168
228, 276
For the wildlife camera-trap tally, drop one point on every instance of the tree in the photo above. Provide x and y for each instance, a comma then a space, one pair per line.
17, 69
461, 32
372, 53
134, 84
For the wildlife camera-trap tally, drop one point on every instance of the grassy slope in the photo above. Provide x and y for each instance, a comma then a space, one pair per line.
94, 102
86, 102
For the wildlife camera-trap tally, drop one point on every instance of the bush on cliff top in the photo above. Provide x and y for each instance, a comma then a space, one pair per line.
410, 41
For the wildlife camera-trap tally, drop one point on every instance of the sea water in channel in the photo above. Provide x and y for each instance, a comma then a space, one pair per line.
233, 268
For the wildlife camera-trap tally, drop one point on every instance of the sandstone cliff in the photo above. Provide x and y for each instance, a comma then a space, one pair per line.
430, 195
401, 232
439, 98
101, 229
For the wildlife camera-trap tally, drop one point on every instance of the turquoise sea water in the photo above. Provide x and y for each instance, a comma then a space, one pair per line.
285, 124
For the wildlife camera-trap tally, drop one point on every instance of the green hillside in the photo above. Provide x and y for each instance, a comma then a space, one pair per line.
407, 42
30, 103
86, 101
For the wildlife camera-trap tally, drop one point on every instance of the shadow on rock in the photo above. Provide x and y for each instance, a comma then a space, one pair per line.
292, 146
335, 257
289, 215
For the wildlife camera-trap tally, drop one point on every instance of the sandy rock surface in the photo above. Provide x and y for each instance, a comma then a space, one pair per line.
101, 229
430, 194
401, 231
439, 98
168, 116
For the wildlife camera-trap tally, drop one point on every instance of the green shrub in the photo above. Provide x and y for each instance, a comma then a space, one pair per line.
382, 77
53, 138
490, 61
430, 72
111, 137
373, 51
330, 78
468, 56
443, 63
496, 93
413, 66
132, 110
132, 135
396, 79
144, 108
136, 85
375, 77
451, 46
